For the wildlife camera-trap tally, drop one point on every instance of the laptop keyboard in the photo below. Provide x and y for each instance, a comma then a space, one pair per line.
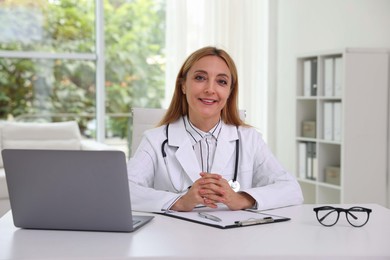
135, 222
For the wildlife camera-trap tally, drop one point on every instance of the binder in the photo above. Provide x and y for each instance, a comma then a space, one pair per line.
328, 77
307, 78
309, 161
338, 78
337, 121
328, 121
314, 166
302, 160
313, 83
229, 218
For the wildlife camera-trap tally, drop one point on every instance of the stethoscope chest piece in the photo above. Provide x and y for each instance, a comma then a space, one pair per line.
235, 185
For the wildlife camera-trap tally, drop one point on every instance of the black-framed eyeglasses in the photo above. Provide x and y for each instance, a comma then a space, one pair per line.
356, 216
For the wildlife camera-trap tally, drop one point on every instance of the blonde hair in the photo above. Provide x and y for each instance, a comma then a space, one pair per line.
179, 105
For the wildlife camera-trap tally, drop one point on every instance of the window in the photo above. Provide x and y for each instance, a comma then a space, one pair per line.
49, 62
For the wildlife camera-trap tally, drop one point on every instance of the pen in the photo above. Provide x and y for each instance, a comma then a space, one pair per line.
254, 221
209, 216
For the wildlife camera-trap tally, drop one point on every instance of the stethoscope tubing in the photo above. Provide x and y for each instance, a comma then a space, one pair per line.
164, 154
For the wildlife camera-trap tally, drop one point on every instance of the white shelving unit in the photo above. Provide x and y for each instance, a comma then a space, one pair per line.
361, 151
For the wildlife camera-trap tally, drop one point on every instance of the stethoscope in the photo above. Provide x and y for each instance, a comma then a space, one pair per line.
234, 184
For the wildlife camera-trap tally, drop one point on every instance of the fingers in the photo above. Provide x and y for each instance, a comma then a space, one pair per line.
210, 176
213, 182
207, 191
212, 188
210, 184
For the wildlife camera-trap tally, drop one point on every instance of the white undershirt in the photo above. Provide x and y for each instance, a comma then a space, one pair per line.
203, 143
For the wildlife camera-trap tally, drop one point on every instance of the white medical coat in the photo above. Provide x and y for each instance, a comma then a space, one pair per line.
154, 188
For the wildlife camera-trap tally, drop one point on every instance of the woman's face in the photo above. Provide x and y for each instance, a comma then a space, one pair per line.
207, 88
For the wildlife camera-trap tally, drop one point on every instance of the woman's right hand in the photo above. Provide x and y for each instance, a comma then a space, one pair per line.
196, 194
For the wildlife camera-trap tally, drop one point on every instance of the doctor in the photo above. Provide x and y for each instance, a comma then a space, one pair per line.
202, 153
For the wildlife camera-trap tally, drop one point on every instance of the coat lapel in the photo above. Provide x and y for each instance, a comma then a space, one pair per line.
185, 154
226, 146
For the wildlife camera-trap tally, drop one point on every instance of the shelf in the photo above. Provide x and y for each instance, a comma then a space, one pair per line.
307, 98
329, 142
330, 186
307, 181
329, 98
319, 183
343, 95
306, 139
319, 98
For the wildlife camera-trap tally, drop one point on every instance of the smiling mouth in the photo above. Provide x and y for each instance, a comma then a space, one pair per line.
208, 101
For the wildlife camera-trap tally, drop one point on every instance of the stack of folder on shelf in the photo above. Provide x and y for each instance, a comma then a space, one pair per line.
333, 77
332, 121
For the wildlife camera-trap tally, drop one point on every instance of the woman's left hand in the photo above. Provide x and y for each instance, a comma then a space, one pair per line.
214, 189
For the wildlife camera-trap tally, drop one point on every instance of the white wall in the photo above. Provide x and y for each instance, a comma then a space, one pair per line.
318, 25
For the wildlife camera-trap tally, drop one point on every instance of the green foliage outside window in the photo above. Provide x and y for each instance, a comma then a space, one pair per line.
134, 43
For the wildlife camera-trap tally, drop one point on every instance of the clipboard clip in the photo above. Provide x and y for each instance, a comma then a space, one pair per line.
254, 221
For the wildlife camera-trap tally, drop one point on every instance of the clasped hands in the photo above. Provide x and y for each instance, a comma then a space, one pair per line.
211, 189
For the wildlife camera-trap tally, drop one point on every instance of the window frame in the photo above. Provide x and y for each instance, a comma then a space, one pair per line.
98, 57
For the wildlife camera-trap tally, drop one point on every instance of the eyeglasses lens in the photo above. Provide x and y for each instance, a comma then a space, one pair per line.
357, 217
327, 217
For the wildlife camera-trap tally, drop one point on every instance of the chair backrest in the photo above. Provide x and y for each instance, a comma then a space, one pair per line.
144, 119
147, 118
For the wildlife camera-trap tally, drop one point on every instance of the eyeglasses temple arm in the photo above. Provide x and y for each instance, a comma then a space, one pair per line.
327, 214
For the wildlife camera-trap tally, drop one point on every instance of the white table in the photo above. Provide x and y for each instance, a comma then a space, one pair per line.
168, 238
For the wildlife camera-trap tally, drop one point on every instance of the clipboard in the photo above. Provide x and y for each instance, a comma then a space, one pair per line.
228, 218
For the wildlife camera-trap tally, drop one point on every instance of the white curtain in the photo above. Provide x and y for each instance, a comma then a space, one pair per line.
239, 27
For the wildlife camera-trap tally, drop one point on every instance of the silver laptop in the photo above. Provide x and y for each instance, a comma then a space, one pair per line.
70, 190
